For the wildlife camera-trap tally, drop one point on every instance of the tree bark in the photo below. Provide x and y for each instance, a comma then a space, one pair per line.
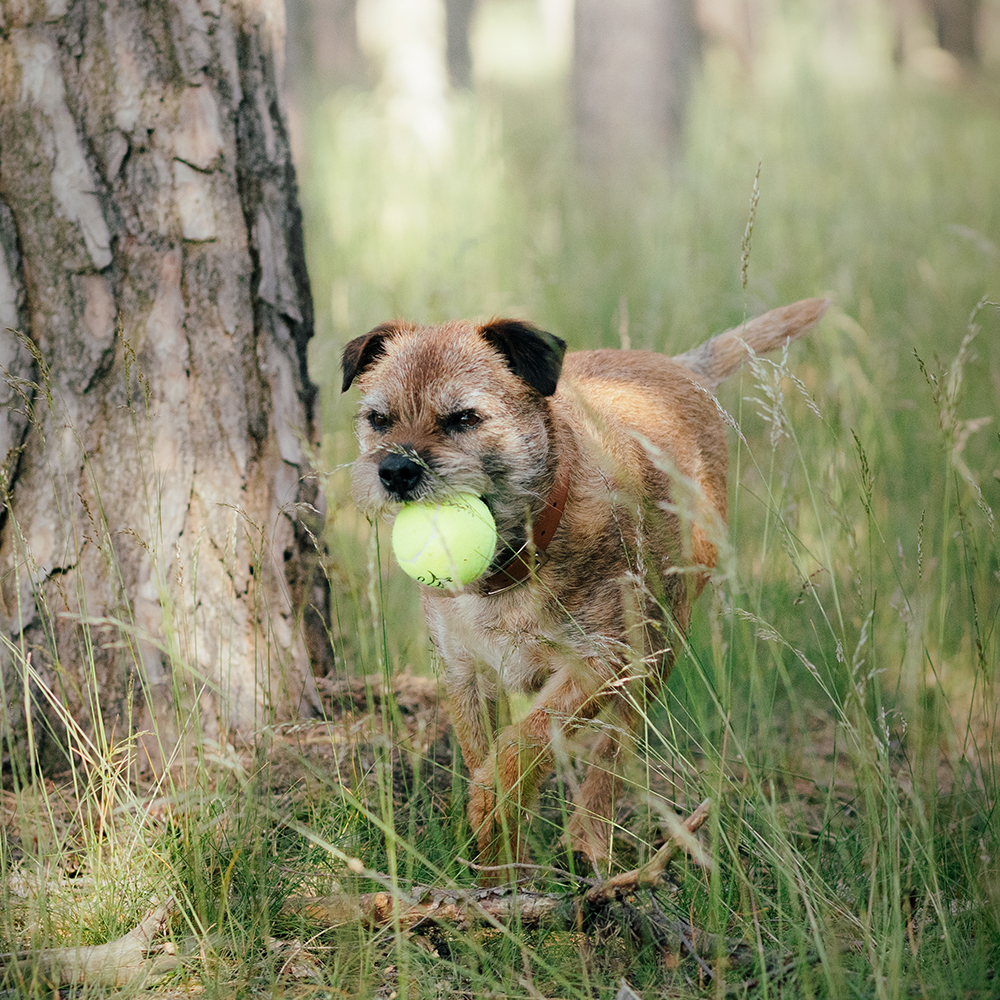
458, 51
632, 67
956, 22
160, 522
322, 46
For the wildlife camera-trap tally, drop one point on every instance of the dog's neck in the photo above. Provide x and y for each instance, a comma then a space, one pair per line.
531, 555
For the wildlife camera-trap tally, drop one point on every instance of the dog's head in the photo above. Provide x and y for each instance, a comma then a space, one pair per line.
457, 408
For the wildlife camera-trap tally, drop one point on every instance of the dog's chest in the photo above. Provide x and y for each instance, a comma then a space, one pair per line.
515, 651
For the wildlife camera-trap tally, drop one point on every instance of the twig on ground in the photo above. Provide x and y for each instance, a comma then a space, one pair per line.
604, 903
651, 873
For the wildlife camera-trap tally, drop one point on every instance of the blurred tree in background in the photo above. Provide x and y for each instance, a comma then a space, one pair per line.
458, 19
957, 23
632, 66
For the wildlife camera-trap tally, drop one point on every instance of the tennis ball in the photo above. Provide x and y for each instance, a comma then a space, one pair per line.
445, 544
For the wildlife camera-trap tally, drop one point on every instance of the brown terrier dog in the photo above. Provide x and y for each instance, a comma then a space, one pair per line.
606, 474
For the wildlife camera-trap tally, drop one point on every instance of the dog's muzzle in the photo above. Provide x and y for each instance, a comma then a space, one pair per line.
400, 475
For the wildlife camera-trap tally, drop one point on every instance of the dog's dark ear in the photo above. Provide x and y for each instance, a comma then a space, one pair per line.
531, 354
362, 351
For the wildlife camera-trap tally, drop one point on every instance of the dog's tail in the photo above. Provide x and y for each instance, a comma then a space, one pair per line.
712, 361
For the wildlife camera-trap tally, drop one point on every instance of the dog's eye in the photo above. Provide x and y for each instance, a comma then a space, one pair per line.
462, 421
379, 421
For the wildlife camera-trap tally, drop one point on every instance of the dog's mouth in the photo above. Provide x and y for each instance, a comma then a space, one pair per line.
407, 476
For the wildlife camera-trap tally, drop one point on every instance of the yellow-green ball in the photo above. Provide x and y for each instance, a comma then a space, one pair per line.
445, 544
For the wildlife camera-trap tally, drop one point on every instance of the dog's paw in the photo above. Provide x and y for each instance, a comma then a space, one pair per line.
589, 837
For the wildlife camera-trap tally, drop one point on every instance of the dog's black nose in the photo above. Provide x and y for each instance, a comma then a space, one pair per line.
400, 475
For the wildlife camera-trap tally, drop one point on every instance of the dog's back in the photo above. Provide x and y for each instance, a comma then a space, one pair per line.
654, 419
658, 437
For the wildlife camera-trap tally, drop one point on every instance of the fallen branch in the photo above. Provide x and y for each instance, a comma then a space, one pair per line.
465, 908
603, 903
651, 873
113, 964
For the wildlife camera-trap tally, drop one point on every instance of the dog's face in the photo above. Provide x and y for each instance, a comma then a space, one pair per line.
458, 408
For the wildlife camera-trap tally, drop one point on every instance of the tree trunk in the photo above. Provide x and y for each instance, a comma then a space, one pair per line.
159, 537
632, 67
322, 46
956, 22
458, 50
405, 40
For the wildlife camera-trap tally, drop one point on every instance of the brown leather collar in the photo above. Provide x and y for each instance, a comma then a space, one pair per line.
531, 555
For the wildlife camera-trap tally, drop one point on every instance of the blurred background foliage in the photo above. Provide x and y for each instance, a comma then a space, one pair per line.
451, 165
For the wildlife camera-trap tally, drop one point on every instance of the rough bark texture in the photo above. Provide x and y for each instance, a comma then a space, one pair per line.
158, 539
632, 67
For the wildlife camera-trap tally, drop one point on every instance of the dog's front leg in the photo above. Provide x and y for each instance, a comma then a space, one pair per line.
474, 716
505, 785
473, 702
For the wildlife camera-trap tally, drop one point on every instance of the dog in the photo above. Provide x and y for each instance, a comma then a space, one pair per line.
605, 472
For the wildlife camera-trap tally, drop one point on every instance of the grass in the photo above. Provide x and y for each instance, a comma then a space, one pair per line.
837, 692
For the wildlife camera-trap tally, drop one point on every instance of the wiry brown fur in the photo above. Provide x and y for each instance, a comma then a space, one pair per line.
600, 619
